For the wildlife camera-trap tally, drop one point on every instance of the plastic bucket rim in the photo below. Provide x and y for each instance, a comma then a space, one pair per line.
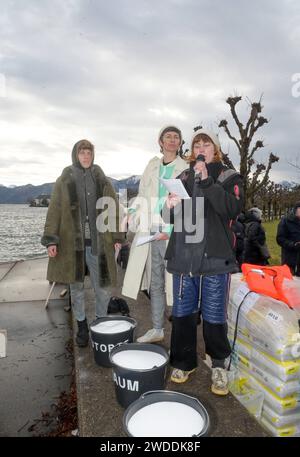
181, 395
107, 338
119, 347
107, 318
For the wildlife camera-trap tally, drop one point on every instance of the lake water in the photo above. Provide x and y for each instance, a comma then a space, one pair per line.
21, 228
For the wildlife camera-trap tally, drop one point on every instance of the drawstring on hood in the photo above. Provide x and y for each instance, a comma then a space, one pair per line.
82, 144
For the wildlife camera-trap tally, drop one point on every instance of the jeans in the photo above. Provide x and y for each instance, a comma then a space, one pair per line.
77, 290
157, 284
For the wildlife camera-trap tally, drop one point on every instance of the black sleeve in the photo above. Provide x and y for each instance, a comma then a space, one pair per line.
256, 233
226, 203
282, 237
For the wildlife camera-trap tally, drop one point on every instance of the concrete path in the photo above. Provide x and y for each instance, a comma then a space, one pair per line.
37, 367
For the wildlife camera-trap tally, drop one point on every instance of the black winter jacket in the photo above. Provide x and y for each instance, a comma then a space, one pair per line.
254, 235
222, 192
288, 233
238, 229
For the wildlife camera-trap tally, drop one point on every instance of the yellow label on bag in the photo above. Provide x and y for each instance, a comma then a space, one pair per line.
290, 431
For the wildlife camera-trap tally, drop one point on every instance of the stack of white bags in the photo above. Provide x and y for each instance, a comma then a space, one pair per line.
267, 354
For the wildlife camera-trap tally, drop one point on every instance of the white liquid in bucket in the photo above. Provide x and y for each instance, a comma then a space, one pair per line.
113, 326
166, 418
138, 360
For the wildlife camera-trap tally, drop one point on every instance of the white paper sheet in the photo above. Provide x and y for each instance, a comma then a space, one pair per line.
175, 186
145, 239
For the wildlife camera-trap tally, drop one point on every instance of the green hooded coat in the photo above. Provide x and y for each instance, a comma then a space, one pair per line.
63, 228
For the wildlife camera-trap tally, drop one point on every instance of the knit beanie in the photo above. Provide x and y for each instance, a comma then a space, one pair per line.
213, 136
169, 128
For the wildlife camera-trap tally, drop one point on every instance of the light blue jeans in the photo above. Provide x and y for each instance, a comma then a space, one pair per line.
77, 290
157, 284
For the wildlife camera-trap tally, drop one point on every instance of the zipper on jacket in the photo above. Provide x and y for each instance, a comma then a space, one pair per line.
181, 287
200, 292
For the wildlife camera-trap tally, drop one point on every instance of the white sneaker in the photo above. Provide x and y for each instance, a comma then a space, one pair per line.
180, 376
152, 336
219, 381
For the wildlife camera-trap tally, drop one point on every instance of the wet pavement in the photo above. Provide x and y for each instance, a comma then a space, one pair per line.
37, 367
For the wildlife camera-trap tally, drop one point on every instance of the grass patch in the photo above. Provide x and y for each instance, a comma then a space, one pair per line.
274, 248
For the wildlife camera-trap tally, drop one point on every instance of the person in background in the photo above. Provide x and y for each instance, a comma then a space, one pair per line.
146, 265
238, 229
255, 249
201, 266
72, 239
288, 237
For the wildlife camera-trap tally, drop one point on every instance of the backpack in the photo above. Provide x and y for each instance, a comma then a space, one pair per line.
118, 305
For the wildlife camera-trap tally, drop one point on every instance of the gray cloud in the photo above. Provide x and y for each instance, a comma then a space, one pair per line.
115, 72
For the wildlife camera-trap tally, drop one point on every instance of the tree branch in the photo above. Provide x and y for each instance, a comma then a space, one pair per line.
258, 144
227, 161
232, 101
223, 124
272, 159
255, 109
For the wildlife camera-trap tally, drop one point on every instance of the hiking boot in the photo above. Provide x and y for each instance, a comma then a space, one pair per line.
152, 336
82, 337
219, 381
181, 376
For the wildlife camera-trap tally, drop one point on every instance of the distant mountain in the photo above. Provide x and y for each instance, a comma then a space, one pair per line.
24, 194
289, 184
131, 183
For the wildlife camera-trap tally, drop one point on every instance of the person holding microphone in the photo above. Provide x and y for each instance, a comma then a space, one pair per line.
200, 256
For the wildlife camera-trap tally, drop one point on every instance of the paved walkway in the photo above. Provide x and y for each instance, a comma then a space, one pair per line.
37, 367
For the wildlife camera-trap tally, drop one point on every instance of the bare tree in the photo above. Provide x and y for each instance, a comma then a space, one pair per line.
256, 175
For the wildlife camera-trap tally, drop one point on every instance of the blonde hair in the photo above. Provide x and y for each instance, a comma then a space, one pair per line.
202, 136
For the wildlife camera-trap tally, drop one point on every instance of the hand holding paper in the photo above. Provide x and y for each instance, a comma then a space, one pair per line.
146, 239
175, 186
172, 200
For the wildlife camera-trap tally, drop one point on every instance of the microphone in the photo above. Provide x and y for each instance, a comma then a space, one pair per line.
199, 158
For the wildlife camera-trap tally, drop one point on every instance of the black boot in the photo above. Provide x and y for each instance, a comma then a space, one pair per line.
82, 337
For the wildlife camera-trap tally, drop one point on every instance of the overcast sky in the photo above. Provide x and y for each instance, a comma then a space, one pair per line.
115, 72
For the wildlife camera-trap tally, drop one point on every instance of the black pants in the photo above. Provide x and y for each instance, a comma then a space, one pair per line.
184, 342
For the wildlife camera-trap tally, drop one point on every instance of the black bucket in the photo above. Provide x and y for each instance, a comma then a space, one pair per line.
166, 413
103, 343
138, 374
